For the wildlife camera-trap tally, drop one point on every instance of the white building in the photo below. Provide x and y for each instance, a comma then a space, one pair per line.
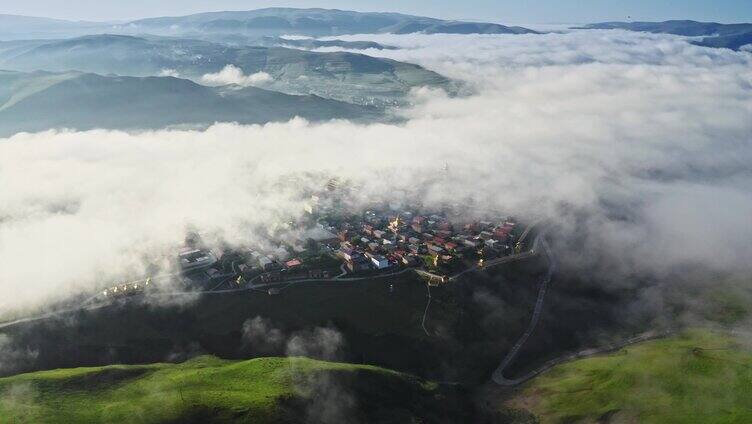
191, 259
379, 261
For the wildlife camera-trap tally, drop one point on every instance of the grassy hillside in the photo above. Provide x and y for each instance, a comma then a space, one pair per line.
380, 321
39, 101
336, 75
697, 377
207, 389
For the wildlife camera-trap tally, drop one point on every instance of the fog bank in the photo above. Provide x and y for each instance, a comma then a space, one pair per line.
645, 136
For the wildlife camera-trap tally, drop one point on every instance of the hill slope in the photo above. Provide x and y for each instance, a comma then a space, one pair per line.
338, 75
39, 101
732, 36
698, 377
207, 390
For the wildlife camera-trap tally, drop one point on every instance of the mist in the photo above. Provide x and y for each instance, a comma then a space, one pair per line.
639, 143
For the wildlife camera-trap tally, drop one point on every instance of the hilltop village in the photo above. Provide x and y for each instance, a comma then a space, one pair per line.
330, 245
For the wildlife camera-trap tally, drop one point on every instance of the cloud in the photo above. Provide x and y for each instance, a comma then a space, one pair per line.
321, 342
231, 74
167, 72
479, 58
638, 145
262, 336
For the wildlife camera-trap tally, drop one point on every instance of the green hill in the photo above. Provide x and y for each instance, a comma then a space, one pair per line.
207, 389
696, 377
39, 101
343, 76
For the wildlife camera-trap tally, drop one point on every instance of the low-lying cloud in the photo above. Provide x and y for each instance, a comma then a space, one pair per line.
641, 142
262, 336
231, 74
167, 72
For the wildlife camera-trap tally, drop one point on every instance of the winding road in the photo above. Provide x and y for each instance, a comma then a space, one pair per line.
498, 375
88, 306
611, 347
425, 312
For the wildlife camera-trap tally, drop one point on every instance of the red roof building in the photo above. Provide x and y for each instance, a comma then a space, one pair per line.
293, 263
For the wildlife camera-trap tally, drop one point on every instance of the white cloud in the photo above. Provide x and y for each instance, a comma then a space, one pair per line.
295, 37
644, 140
231, 74
169, 73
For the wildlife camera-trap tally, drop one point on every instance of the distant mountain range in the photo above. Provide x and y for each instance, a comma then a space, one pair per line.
41, 100
24, 27
343, 76
256, 23
732, 36
315, 22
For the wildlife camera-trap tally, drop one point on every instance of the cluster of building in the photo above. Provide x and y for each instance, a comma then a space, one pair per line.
296, 254
328, 243
270, 268
127, 289
387, 239
371, 242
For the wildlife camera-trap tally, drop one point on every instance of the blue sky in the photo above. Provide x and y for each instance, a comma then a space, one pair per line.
509, 11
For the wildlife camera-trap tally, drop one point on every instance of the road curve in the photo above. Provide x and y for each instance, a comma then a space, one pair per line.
425, 312
498, 374
611, 347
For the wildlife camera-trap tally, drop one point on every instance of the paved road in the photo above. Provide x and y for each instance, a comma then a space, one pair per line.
527, 231
89, 305
489, 264
425, 312
52, 315
612, 347
495, 262
498, 375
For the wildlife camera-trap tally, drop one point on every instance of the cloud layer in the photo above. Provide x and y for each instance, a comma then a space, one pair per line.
641, 141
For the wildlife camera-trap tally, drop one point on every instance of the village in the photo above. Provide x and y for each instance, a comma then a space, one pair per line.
328, 245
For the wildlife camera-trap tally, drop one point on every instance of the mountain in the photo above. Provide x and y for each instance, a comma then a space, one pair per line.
732, 36
14, 27
29, 23
313, 22
343, 76
686, 28
256, 23
210, 390
733, 42
39, 101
